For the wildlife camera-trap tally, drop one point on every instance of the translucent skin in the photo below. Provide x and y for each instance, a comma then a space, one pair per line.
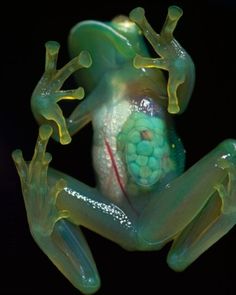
143, 198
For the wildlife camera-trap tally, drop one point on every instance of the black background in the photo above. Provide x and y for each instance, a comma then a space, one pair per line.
207, 31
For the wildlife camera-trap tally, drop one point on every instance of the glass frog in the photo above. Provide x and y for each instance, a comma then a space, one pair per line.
143, 198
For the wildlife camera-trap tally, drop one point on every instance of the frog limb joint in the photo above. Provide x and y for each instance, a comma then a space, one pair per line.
143, 199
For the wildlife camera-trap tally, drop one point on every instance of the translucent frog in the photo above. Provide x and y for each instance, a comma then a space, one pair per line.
143, 199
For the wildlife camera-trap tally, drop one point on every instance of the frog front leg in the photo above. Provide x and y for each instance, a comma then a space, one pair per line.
196, 209
173, 58
56, 204
48, 93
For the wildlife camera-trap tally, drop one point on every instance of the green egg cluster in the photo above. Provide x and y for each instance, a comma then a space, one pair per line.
142, 142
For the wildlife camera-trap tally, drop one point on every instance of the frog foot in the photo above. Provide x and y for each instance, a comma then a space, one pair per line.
40, 200
173, 58
48, 92
227, 188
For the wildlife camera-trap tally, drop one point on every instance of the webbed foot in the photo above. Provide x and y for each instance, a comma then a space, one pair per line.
40, 200
227, 188
48, 92
173, 58
57, 237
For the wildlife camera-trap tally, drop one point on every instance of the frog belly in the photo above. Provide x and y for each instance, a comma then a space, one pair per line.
109, 168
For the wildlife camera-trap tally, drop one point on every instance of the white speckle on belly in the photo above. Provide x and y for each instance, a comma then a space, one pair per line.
107, 123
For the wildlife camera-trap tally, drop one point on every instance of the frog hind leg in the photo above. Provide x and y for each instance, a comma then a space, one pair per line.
62, 241
195, 210
213, 222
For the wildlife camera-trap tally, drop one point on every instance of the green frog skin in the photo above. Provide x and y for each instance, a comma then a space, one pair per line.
143, 199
